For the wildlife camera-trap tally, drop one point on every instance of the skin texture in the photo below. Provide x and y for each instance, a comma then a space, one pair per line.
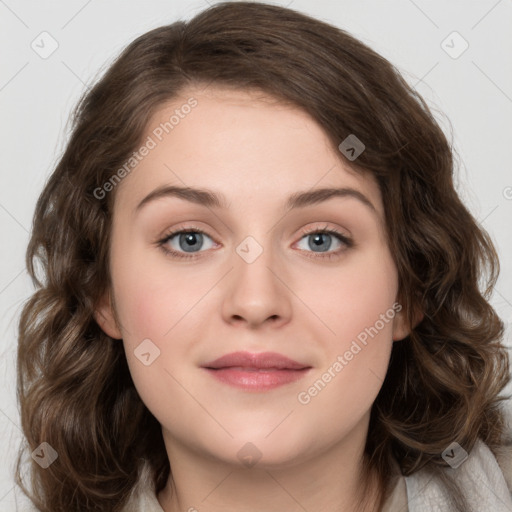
290, 300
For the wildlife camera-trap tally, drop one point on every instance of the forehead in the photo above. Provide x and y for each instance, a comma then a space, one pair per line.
245, 144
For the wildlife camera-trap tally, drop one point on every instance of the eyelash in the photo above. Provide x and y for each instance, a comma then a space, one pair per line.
192, 229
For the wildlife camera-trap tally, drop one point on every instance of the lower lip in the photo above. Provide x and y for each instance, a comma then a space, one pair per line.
257, 380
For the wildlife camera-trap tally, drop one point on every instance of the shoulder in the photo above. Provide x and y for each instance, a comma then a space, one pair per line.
480, 477
483, 472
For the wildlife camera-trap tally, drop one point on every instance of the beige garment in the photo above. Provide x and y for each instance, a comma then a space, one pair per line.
144, 500
397, 501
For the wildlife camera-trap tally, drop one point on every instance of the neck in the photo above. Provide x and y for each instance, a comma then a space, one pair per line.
329, 481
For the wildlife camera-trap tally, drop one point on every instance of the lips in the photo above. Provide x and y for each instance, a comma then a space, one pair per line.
264, 361
256, 372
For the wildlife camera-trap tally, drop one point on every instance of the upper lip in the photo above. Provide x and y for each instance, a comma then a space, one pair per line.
261, 360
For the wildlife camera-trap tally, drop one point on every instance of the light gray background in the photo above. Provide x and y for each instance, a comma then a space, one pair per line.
471, 96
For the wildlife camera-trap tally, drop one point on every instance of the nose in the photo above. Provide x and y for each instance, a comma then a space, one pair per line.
256, 292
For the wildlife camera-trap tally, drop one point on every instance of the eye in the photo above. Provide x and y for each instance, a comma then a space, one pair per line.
186, 243
187, 240
322, 239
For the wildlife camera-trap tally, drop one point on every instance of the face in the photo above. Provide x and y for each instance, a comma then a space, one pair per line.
193, 281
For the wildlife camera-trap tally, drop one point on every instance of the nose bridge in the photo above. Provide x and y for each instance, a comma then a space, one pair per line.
254, 262
255, 292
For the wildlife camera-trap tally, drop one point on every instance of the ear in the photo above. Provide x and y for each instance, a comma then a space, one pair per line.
400, 327
105, 317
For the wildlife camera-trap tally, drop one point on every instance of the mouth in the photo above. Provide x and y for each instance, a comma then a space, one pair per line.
249, 369
255, 362
256, 372
256, 379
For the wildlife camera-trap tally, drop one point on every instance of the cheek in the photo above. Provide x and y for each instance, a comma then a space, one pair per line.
352, 298
141, 308
158, 307
358, 307
150, 299
151, 315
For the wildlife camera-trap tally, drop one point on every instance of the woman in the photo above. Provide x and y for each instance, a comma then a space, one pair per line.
257, 372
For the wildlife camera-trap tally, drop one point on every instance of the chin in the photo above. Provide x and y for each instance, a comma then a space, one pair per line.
260, 452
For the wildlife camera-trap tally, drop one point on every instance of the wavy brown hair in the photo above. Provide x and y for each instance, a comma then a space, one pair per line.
74, 387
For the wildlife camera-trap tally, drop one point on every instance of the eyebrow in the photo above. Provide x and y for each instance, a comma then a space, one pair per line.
211, 199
